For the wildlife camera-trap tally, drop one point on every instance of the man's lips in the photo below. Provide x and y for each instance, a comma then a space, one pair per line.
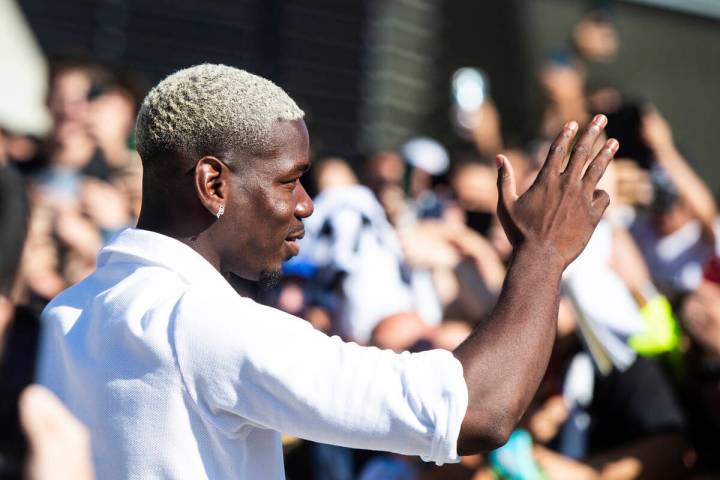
292, 241
296, 235
294, 246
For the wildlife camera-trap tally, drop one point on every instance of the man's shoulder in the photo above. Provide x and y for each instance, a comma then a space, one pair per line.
217, 299
118, 288
218, 314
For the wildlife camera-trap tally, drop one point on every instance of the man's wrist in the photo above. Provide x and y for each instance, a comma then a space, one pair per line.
545, 258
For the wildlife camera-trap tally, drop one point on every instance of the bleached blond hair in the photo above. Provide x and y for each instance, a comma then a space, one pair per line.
211, 110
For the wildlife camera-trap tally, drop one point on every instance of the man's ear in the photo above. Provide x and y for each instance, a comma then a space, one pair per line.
211, 183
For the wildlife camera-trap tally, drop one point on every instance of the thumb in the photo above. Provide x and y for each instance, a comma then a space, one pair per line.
44, 417
507, 189
59, 443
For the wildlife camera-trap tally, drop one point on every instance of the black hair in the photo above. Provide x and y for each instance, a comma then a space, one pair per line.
13, 225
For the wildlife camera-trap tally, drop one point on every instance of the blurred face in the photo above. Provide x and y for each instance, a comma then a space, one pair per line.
596, 39
387, 167
335, 173
266, 205
561, 82
475, 188
111, 116
68, 100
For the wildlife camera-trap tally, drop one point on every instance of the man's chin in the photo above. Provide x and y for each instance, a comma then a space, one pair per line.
293, 249
269, 279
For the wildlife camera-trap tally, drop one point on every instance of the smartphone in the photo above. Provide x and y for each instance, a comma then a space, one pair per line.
625, 125
469, 88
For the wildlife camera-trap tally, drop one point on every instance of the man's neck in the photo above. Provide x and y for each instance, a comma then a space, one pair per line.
195, 238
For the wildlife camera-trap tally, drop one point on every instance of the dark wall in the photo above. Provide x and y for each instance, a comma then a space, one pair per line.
491, 35
444, 36
154, 37
320, 63
313, 48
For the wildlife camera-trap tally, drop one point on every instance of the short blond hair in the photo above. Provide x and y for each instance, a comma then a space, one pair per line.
211, 110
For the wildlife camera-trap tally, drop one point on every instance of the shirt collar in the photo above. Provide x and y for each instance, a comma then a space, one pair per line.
134, 245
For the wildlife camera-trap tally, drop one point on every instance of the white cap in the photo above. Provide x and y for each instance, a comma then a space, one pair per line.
426, 154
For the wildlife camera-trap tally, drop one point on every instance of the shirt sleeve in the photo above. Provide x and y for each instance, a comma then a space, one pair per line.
245, 365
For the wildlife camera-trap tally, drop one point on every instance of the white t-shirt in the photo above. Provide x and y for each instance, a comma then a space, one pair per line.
177, 376
676, 260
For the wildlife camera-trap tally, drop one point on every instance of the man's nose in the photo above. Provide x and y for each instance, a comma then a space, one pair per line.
304, 207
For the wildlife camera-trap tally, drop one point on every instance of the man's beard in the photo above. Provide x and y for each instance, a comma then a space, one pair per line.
269, 279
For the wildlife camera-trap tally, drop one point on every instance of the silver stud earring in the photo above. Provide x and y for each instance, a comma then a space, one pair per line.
220, 211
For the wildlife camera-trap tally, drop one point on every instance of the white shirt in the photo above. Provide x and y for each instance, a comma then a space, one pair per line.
602, 298
676, 260
177, 376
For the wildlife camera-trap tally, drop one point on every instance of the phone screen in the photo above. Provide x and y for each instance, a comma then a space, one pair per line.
624, 125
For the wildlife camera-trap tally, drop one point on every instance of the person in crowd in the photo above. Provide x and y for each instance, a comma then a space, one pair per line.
594, 36
384, 174
447, 241
360, 261
612, 318
40, 439
562, 82
700, 315
19, 327
485, 130
84, 183
427, 162
669, 210
583, 424
112, 106
678, 234
625, 424
70, 146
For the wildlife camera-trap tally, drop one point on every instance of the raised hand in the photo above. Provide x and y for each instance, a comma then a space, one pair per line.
557, 215
656, 132
549, 225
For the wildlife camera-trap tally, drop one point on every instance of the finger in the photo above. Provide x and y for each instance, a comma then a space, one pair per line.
558, 150
59, 443
42, 414
600, 202
583, 147
507, 189
597, 167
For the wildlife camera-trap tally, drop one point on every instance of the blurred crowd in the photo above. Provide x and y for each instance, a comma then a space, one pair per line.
61, 198
405, 252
